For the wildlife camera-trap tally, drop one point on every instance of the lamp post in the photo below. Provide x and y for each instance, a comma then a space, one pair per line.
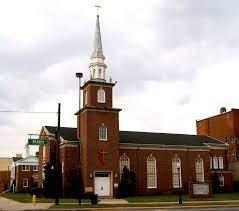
179, 183
79, 75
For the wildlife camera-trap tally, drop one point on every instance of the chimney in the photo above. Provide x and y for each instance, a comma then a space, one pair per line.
223, 110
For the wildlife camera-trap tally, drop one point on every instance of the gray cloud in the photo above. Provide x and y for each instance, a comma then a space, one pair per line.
167, 42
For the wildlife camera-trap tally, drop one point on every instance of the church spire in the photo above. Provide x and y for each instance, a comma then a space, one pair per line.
98, 52
97, 65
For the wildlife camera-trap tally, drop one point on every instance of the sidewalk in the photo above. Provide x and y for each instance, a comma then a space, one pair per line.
191, 202
8, 204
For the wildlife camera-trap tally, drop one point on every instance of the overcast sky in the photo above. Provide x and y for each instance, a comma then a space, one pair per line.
174, 61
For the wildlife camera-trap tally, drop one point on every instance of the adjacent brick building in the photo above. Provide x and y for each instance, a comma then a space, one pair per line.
5, 168
98, 151
224, 127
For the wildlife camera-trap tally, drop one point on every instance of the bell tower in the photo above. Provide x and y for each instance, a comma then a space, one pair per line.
98, 126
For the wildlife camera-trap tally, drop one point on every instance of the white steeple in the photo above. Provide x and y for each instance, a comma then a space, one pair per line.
97, 65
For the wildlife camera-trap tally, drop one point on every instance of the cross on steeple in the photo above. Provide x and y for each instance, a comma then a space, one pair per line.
97, 6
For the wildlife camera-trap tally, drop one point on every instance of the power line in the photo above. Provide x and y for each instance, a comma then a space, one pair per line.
29, 112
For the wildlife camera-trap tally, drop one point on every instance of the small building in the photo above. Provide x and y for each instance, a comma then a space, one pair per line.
24, 174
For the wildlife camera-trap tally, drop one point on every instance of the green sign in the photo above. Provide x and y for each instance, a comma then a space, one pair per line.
37, 141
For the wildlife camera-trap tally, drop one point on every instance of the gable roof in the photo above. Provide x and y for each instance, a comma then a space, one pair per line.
28, 160
169, 139
67, 133
148, 138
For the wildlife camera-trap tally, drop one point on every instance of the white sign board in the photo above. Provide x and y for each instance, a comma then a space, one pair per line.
88, 189
201, 189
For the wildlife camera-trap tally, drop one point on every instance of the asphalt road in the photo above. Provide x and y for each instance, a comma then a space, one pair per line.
176, 209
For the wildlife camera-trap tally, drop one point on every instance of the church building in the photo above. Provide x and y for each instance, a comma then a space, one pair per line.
98, 151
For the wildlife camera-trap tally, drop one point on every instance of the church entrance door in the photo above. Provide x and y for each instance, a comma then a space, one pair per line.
102, 184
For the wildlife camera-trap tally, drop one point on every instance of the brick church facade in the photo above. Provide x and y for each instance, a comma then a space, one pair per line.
98, 151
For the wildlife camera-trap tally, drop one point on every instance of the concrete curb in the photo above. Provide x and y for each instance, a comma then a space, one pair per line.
136, 208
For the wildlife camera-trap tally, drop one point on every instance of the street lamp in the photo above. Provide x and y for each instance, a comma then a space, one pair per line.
79, 75
179, 183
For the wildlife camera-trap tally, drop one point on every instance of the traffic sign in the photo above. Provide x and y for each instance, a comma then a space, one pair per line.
32, 141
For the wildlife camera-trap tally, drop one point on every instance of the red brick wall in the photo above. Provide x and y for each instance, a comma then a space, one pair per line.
20, 175
224, 127
236, 121
4, 179
164, 167
69, 159
219, 127
91, 145
92, 95
49, 156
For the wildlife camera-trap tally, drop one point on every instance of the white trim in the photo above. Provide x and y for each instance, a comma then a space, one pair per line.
162, 148
25, 169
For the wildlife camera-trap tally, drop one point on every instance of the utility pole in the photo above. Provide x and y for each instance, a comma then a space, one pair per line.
58, 135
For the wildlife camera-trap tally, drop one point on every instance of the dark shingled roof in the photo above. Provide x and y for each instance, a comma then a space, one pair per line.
165, 139
16, 158
141, 138
67, 133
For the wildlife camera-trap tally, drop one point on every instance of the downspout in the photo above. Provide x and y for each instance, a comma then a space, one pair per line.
138, 170
79, 173
226, 157
187, 170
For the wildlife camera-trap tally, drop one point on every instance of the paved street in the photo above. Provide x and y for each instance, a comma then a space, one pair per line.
206, 209
8, 205
173, 209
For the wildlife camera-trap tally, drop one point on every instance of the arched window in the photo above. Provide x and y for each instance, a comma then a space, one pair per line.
124, 161
99, 73
103, 133
93, 73
176, 173
199, 170
151, 172
101, 96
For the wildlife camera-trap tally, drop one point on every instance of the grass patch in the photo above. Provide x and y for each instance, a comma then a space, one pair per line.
174, 198
27, 198
188, 205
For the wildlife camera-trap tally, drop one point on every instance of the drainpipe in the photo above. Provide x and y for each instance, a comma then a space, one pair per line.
138, 170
